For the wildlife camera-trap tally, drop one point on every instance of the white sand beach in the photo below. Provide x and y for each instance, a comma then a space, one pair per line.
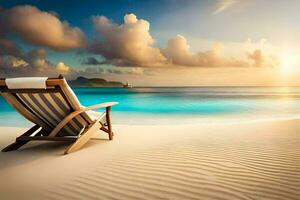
259, 160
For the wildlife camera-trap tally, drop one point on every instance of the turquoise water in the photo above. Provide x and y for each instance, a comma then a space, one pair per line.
183, 105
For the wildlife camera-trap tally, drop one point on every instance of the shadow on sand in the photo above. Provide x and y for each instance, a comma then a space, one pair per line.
36, 150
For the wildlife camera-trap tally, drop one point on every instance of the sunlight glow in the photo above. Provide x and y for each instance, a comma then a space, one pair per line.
289, 63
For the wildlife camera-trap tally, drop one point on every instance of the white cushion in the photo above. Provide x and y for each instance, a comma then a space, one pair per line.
76, 104
26, 83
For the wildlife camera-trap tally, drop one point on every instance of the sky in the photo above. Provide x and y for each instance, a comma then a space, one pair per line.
153, 43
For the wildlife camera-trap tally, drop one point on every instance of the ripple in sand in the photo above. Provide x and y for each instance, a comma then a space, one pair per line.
192, 170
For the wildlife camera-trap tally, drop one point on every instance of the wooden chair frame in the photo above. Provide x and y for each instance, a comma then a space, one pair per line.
39, 133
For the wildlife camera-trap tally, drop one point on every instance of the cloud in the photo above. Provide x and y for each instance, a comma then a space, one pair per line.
17, 62
177, 52
93, 70
41, 28
127, 48
91, 61
8, 47
257, 57
260, 60
35, 63
128, 44
63, 68
32, 63
223, 5
126, 70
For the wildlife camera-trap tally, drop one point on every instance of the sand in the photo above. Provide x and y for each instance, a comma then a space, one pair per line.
258, 160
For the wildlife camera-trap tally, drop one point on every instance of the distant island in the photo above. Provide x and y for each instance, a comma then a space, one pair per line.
94, 82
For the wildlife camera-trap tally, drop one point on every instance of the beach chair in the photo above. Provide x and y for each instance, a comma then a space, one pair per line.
53, 107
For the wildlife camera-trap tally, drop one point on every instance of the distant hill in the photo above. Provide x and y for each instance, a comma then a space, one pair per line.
94, 82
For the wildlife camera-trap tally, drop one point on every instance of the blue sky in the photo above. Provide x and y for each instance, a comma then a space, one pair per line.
79, 13
194, 18
190, 36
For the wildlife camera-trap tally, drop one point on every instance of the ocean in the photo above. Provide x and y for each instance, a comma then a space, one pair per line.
183, 105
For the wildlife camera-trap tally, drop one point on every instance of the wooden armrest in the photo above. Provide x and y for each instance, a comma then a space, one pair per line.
101, 105
68, 118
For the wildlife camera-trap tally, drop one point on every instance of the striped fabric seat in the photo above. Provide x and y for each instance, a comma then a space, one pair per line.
48, 109
54, 109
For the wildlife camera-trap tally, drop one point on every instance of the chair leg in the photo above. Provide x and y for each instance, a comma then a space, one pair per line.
108, 120
84, 138
18, 143
14, 146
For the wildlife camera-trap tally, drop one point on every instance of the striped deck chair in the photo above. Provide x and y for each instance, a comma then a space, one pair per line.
55, 110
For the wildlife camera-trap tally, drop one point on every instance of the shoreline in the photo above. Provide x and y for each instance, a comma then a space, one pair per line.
179, 120
230, 161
